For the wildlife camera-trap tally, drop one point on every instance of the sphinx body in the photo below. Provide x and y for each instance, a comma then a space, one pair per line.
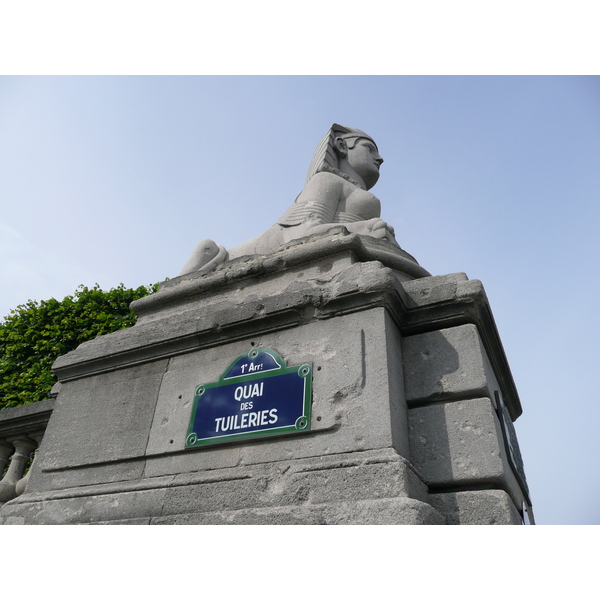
344, 167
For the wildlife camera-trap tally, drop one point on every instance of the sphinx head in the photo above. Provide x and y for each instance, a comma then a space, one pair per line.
350, 152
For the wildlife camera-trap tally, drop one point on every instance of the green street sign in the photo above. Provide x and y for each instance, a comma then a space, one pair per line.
257, 396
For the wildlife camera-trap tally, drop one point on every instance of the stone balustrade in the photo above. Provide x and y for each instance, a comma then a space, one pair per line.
21, 433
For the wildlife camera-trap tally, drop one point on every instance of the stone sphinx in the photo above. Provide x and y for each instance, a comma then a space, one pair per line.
344, 167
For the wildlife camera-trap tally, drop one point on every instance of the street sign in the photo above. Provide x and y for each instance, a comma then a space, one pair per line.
257, 396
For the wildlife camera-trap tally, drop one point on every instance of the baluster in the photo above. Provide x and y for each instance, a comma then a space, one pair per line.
5, 451
23, 447
22, 483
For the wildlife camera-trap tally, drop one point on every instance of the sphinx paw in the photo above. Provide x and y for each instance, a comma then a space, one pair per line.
206, 256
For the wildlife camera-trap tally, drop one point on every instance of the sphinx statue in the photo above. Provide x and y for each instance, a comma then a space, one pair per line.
345, 166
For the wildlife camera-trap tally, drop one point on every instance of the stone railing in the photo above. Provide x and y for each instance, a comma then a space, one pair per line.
21, 432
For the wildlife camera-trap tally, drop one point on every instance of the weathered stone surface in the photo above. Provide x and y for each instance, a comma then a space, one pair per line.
361, 487
25, 419
338, 365
435, 290
460, 444
448, 301
481, 507
387, 511
103, 418
445, 364
352, 395
76, 508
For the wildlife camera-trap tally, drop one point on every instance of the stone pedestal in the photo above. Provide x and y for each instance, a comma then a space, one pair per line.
410, 401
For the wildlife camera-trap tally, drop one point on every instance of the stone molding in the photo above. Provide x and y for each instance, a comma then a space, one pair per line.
25, 419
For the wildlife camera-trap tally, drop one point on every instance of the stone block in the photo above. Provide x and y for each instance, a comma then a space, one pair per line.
386, 511
480, 507
460, 444
444, 364
89, 504
280, 515
103, 417
315, 481
433, 290
221, 491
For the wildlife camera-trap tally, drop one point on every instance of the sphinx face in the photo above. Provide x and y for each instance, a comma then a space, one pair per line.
365, 160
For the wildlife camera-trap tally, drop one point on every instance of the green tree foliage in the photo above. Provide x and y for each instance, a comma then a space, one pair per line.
35, 333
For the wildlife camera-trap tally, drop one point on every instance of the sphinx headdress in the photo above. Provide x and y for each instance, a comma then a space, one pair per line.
325, 157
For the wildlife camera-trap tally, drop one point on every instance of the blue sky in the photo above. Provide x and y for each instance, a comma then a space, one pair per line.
115, 179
